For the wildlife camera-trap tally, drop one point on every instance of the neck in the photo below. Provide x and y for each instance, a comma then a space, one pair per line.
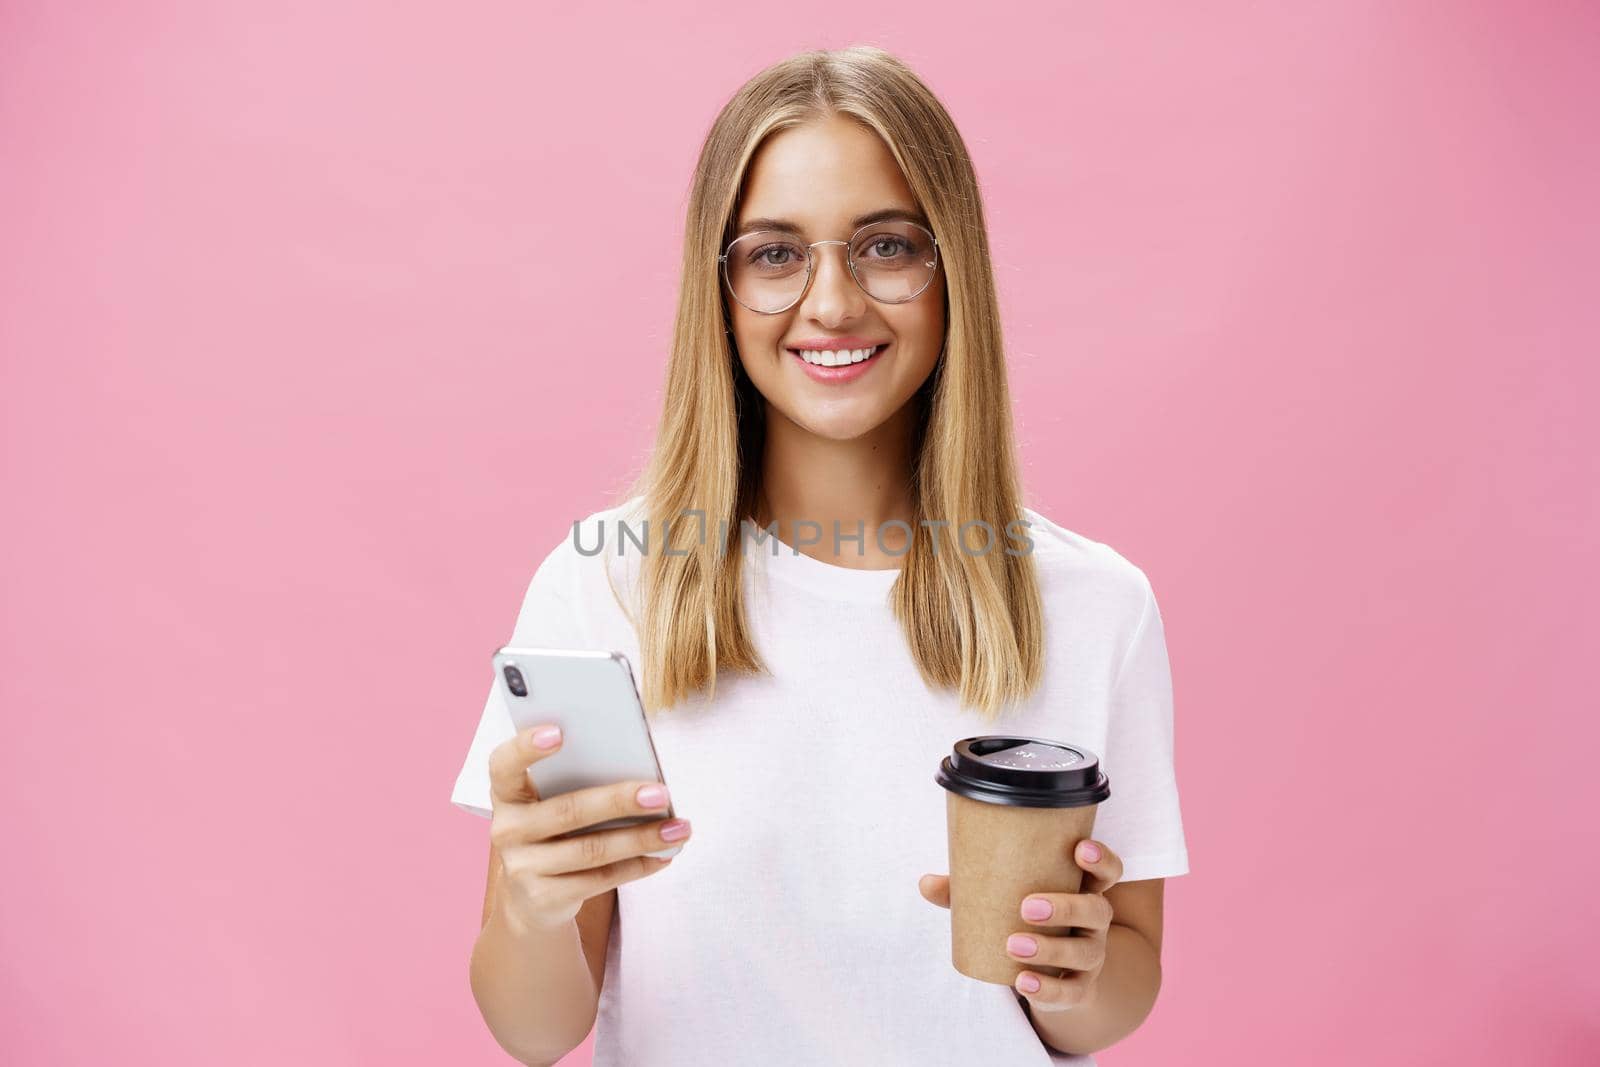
809, 483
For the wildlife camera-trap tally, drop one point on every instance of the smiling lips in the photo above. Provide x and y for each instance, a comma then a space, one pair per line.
836, 363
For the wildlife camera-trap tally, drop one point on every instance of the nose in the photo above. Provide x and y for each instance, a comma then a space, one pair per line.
834, 298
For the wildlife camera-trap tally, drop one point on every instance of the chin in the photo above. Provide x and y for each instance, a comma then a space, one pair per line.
841, 430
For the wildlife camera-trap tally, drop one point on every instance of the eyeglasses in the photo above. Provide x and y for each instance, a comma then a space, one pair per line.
768, 271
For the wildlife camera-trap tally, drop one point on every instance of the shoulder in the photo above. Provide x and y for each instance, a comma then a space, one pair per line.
582, 542
576, 596
1081, 574
586, 556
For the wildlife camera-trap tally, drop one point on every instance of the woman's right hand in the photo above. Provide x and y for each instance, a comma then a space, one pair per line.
547, 880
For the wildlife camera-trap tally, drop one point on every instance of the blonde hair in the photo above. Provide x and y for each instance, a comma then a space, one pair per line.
973, 622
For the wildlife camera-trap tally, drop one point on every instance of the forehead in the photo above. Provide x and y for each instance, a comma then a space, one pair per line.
822, 175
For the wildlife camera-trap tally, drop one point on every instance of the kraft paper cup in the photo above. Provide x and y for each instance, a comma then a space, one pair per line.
1015, 808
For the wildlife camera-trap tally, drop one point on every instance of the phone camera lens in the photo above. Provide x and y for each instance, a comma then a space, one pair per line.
514, 680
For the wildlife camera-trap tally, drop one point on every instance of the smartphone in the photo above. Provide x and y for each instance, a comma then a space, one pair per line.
605, 737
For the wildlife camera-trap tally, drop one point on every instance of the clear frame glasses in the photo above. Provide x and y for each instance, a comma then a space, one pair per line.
769, 271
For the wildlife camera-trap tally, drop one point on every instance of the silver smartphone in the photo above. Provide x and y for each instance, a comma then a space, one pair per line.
605, 737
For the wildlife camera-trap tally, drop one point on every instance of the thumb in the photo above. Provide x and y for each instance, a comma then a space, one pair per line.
935, 889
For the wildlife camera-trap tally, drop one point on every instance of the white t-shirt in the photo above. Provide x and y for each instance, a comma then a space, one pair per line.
790, 930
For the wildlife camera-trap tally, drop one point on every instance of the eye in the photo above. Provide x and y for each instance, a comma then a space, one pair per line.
886, 249
777, 254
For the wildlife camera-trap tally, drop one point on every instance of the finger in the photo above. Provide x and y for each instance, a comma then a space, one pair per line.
583, 885
935, 889
1045, 993
1090, 911
1102, 867
509, 762
602, 847
1081, 952
572, 813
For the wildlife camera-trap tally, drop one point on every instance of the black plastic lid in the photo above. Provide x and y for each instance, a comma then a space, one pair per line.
1029, 772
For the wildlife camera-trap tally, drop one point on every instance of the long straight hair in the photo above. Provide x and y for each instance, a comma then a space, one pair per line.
974, 622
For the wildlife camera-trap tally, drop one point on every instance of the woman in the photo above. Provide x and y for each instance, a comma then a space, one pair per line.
837, 366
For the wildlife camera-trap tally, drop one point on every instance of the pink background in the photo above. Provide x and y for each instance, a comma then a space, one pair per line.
307, 360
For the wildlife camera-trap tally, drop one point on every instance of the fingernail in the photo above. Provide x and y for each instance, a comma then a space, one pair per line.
652, 796
673, 829
1028, 983
1035, 909
1091, 851
547, 736
1021, 945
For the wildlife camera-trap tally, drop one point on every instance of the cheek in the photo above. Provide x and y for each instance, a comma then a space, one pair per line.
757, 352
756, 335
922, 330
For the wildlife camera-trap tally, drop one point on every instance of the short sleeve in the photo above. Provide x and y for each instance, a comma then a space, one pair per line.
550, 618
1141, 821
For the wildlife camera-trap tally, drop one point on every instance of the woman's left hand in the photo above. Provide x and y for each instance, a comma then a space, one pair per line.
1083, 954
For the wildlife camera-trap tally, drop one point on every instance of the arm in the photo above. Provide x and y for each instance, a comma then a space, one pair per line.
1130, 979
538, 989
1113, 960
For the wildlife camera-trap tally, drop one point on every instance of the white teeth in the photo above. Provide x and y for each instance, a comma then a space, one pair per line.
834, 357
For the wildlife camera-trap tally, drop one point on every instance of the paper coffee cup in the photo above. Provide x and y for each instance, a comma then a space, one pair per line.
1015, 808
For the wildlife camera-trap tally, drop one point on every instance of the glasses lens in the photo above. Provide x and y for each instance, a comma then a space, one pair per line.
894, 260
767, 269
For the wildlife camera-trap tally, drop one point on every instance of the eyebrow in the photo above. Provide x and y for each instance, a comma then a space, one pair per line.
884, 215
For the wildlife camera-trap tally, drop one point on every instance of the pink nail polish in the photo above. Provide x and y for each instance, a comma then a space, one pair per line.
1091, 852
1028, 983
1035, 909
1021, 945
